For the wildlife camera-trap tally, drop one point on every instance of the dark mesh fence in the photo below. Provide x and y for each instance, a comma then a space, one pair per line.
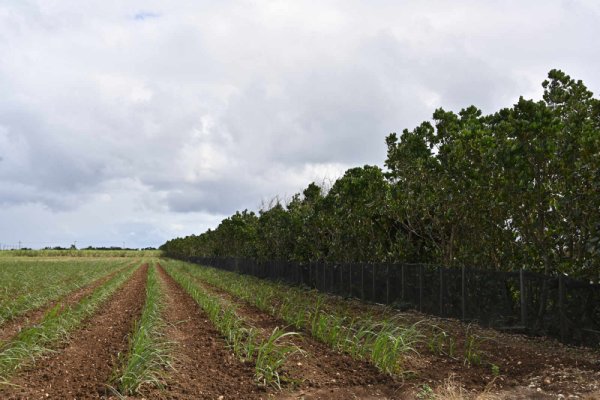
522, 301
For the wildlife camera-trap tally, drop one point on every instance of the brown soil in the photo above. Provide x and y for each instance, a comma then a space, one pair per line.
14, 326
83, 366
319, 373
204, 368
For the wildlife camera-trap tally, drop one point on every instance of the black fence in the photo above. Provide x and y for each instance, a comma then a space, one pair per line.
521, 301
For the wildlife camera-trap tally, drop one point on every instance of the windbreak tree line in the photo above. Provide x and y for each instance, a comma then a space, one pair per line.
519, 188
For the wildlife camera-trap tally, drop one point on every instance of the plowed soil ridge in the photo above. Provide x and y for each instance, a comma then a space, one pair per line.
321, 372
13, 327
83, 366
204, 368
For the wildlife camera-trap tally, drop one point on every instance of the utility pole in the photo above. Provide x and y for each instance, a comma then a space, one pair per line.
19, 245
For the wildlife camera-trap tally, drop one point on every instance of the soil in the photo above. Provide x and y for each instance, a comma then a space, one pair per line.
203, 366
33, 317
320, 372
82, 367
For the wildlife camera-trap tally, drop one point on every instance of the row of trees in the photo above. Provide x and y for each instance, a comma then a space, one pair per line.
517, 188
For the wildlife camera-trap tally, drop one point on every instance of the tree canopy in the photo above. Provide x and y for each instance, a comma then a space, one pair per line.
519, 188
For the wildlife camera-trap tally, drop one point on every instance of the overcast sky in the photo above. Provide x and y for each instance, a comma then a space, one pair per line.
138, 121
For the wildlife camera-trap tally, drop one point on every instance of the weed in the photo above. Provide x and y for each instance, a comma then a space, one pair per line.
495, 370
425, 393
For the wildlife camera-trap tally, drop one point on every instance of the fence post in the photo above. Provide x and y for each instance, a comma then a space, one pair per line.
402, 282
340, 287
523, 298
373, 296
350, 281
464, 294
420, 287
362, 281
332, 283
341, 291
561, 307
316, 275
387, 283
441, 291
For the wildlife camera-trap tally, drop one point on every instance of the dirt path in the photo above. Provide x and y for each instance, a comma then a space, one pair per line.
204, 367
13, 327
83, 366
321, 373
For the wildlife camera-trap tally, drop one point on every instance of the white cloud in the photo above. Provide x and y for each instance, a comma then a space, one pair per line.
145, 120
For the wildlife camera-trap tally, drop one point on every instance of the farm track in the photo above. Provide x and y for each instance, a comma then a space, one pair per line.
321, 373
82, 367
204, 368
14, 326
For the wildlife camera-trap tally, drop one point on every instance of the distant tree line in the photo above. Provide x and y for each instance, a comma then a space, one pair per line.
100, 248
516, 188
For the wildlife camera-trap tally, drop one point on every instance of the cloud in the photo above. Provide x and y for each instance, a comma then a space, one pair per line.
141, 121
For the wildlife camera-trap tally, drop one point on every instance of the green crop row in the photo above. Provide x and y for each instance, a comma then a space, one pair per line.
30, 284
36, 340
267, 353
148, 354
383, 342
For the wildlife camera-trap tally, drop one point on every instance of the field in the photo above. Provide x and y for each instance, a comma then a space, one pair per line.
136, 326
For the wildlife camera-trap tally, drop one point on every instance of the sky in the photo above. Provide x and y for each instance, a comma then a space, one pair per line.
134, 122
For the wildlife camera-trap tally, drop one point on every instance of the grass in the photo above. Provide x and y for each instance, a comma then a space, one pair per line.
268, 353
56, 325
148, 354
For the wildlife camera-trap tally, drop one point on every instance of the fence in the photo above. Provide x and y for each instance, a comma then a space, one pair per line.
521, 301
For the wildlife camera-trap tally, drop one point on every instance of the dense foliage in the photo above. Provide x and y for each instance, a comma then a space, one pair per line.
517, 188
